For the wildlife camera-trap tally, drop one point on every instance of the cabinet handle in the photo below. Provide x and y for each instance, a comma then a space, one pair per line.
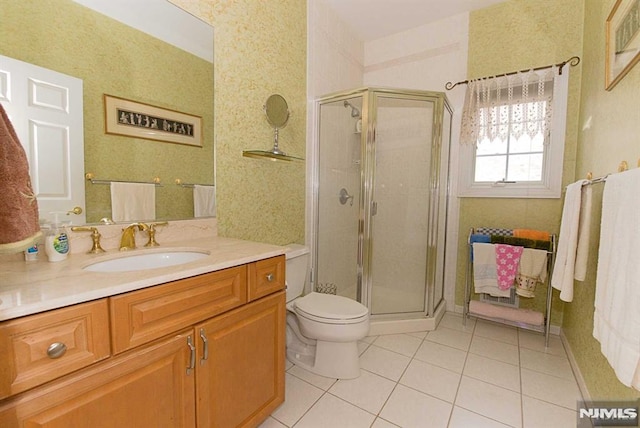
192, 355
269, 277
205, 350
56, 350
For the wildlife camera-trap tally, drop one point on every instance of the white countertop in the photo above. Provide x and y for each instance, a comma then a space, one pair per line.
30, 287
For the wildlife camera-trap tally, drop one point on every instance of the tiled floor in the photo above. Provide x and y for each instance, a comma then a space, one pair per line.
484, 375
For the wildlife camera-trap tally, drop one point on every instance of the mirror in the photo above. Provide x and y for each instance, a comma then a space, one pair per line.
277, 111
111, 57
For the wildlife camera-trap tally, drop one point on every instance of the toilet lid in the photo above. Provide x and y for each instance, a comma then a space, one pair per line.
330, 306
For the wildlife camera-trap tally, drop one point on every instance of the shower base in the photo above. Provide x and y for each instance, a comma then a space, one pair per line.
406, 323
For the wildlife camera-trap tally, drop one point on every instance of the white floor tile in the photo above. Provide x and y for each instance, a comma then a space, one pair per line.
546, 363
538, 414
271, 423
494, 349
463, 418
332, 412
299, 397
418, 334
368, 392
287, 364
454, 322
321, 382
362, 346
383, 362
535, 341
502, 333
493, 371
454, 338
409, 408
441, 356
381, 423
438, 382
401, 343
489, 400
370, 339
559, 391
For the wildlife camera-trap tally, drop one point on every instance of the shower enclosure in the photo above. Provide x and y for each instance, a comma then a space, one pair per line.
380, 197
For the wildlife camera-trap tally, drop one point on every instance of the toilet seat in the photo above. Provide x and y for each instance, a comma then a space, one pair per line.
330, 309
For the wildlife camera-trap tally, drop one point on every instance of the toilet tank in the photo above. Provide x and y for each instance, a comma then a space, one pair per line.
297, 270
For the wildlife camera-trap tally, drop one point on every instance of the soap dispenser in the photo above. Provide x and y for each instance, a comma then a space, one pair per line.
56, 242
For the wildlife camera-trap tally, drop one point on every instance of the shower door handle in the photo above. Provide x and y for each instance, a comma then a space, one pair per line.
374, 208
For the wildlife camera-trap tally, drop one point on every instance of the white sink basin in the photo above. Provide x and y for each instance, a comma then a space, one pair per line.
154, 260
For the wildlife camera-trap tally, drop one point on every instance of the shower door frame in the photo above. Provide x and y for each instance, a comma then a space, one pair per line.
369, 118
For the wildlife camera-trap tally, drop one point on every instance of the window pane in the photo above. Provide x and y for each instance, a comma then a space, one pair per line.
490, 168
526, 144
495, 147
525, 167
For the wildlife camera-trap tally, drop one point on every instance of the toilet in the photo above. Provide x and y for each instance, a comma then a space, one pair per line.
322, 329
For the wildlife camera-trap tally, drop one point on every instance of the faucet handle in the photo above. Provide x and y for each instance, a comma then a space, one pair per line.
95, 236
152, 233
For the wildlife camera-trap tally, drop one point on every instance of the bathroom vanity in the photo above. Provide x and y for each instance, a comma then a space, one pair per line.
199, 344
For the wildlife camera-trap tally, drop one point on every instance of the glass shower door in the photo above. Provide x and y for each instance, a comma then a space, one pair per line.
400, 208
338, 203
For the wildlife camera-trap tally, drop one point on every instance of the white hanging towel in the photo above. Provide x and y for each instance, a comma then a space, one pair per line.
485, 275
582, 252
564, 267
133, 201
204, 201
616, 322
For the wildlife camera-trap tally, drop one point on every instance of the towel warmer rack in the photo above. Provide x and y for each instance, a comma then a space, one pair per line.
469, 290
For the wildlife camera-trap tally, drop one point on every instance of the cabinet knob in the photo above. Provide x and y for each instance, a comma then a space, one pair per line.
270, 277
56, 350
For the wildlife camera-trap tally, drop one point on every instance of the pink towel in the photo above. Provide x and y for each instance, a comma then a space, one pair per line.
507, 259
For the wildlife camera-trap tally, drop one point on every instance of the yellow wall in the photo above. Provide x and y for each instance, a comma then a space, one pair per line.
516, 35
609, 132
113, 58
260, 49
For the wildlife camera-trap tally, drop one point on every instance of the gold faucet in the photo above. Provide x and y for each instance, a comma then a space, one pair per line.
128, 240
152, 234
95, 236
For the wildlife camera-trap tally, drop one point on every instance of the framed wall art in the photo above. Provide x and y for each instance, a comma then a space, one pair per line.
622, 40
139, 120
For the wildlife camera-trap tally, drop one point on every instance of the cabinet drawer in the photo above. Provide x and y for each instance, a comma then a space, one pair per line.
266, 276
78, 334
142, 316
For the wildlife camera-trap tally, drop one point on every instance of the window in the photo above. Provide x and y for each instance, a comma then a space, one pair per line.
514, 129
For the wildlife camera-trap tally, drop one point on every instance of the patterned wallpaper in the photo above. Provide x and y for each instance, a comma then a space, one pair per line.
260, 49
510, 36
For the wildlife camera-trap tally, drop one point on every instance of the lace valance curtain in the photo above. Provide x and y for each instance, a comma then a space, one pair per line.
512, 105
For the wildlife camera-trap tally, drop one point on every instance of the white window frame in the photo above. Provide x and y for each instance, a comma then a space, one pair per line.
551, 184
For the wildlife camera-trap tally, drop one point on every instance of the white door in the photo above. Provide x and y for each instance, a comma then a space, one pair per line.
45, 108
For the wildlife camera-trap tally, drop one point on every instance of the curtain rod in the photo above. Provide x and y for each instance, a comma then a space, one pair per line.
573, 61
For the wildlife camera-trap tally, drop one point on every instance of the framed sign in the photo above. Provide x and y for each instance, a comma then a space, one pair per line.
623, 40
133, 119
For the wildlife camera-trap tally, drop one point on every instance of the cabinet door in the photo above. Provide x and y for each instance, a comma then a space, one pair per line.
145, 315
46, 346
266, 276
147, 387
241, 368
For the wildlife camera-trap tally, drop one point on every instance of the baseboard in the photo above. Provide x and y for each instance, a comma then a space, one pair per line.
582, 385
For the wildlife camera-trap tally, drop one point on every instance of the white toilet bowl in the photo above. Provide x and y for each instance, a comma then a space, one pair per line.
323, 332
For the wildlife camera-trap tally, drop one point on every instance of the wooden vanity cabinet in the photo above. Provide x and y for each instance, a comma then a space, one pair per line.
187, 353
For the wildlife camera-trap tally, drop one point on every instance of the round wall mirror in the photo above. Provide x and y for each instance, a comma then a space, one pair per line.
277, 111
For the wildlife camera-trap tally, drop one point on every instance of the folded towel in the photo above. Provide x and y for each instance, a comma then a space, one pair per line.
531, 271
582, 253
494, 231
616, 322
204, 201
19, 228
538, 235
516, 315
507, 259
133, 201
521, 242
485, 277
564, 267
